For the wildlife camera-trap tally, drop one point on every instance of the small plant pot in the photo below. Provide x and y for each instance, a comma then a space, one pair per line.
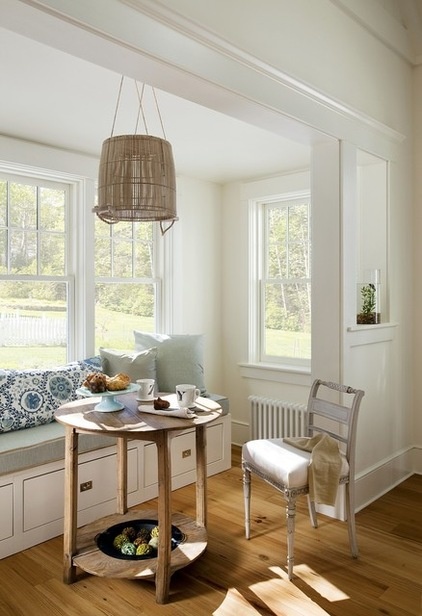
370, 318
368, 300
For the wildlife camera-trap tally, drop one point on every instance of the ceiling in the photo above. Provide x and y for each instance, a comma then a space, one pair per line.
54, 98
60, 100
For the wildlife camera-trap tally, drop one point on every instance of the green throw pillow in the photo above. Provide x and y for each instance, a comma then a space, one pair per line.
137, 365
180, 359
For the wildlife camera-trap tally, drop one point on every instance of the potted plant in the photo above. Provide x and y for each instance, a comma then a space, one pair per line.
368, 313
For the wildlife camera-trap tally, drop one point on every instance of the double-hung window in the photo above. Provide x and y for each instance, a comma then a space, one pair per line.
127, 288
283, 277
35, 285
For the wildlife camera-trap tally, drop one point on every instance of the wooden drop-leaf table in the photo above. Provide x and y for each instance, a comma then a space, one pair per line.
80, 548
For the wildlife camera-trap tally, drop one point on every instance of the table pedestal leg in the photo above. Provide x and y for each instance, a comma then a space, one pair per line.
162, 577
201, 476
70, 504
121, 475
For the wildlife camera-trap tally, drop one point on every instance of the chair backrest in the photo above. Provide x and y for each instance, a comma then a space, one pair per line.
343, 419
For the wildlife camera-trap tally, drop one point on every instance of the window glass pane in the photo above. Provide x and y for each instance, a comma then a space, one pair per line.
121, 308
102, 229
52, 254
23, 206
52, 209
143, 260
298, 223
277, 261
3, 251
277, 224
288, 320
33, 324
122, 230
298, 261
3, 203
102, 257
142, 231
122, 259
23, 252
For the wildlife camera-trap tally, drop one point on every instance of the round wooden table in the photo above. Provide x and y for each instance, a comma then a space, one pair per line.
80, 549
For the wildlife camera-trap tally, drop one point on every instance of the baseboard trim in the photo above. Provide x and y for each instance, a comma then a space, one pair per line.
372, 484
240, 432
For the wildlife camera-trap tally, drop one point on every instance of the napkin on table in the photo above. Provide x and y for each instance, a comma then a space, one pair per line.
184, 413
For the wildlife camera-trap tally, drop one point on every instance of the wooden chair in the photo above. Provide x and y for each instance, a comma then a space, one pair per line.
286, 467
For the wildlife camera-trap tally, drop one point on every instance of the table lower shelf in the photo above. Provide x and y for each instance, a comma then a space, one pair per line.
92, 560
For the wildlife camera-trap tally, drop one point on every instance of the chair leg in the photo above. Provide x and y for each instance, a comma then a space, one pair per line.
291, 519
247, 501
351, 525
312, 512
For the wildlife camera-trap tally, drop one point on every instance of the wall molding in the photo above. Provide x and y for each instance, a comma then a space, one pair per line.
389, 31
146, 41
220, 46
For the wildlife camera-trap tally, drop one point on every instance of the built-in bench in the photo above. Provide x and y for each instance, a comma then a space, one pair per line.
23, 449
32, 449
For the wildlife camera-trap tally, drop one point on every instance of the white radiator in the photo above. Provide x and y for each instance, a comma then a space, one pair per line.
276, 418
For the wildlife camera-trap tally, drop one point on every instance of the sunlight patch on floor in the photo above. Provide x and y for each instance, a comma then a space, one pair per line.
320, 584
282, 596
235, 604
284, 599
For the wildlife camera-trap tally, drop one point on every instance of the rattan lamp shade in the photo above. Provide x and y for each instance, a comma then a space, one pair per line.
137, 180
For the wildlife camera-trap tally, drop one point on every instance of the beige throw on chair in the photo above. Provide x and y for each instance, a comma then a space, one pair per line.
324, 466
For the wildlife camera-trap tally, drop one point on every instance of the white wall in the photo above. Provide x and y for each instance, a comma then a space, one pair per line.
197, 267
416, 358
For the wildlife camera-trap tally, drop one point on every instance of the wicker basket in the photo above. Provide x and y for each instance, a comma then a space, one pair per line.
137, 180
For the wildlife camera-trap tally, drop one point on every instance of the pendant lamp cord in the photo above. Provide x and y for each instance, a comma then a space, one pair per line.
117, 105
158, 111
140, 110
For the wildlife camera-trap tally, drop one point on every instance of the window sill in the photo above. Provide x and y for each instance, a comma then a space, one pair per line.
370, 334
280, 373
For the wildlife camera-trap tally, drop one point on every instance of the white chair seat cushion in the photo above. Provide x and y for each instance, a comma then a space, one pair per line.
282, 463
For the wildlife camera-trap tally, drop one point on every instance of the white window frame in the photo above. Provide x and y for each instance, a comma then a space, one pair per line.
161, 264
257, 251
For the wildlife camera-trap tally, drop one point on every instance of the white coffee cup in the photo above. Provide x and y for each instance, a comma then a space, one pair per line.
186, 395
146, 389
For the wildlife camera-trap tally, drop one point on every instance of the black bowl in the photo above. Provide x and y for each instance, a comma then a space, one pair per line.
105, 539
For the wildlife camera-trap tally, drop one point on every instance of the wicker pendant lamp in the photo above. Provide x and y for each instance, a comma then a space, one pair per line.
137, 179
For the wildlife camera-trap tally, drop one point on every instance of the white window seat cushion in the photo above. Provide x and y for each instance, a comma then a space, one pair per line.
21, 449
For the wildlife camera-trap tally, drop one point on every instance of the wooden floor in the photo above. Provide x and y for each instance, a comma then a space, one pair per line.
245, 578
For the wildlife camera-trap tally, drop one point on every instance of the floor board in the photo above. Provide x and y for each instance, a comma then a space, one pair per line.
248, 578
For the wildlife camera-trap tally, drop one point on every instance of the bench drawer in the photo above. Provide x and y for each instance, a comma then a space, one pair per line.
44, 493
6, 511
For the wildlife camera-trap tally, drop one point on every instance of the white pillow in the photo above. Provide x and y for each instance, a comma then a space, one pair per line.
180, 359
137, 365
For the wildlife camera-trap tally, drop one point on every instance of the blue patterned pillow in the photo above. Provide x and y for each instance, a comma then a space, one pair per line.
93, 363
29, 398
